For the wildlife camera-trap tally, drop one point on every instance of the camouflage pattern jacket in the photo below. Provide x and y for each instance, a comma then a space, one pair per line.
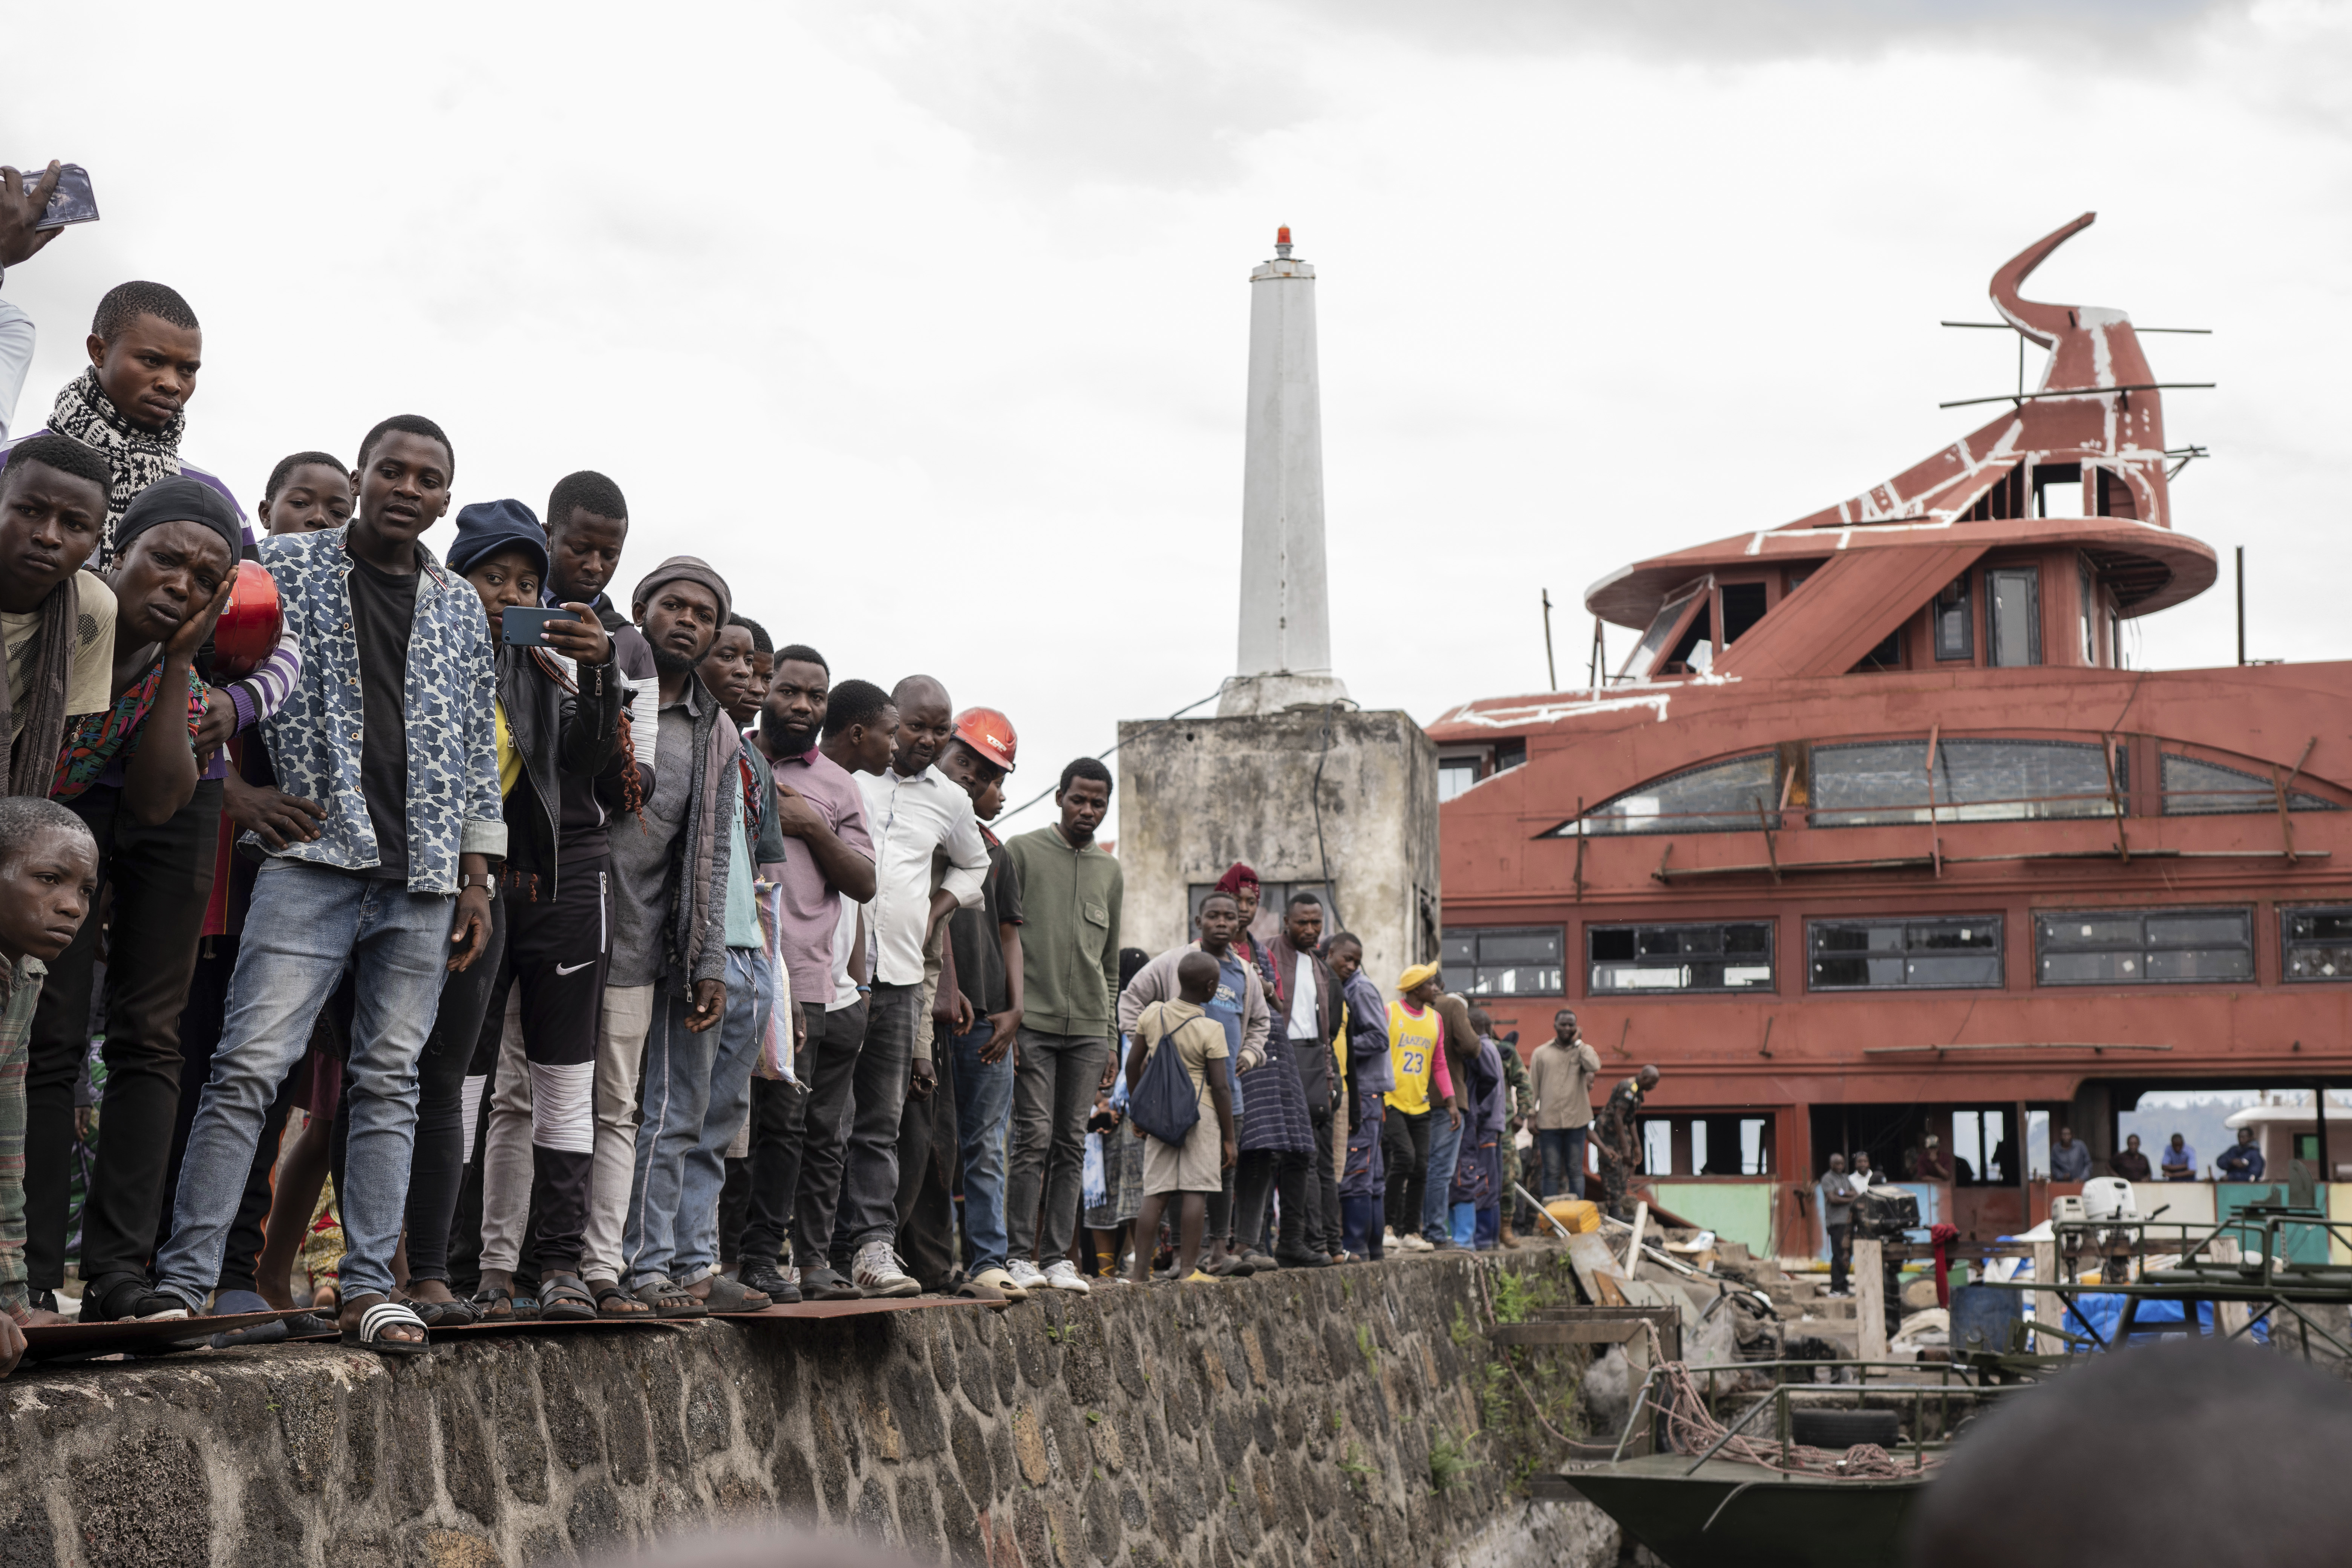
314, 737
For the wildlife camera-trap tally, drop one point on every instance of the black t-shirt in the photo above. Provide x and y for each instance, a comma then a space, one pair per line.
384, 607
978, 958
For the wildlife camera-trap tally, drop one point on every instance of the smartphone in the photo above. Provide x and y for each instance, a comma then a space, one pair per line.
71, 202
522, 627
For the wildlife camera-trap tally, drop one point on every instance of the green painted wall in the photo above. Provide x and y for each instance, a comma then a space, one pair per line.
1735, 1211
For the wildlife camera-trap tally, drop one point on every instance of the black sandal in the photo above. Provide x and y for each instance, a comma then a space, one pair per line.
608, 1292
563, 1298
494, 1304
457, 1314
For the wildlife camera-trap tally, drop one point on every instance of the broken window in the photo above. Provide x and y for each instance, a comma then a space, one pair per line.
1875, 782
1506, 961
1732, 956
1887, 654
2014, 596
2194, 788
1720, 798
2129, 947
1956, 627
2318, 944
1642, 661
1743, 606
2087, 603
1883, 955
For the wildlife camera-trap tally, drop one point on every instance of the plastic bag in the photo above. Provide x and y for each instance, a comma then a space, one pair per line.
775, 1061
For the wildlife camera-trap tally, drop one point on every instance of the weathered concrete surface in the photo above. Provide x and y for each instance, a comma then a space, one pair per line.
1196, 795
1279, 1422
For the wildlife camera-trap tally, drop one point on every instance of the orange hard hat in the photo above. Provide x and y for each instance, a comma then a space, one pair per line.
990, 733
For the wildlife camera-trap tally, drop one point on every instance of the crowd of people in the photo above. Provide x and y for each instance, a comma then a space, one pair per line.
611, 958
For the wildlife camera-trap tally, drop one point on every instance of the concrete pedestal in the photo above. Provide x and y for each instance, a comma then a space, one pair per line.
1197, 794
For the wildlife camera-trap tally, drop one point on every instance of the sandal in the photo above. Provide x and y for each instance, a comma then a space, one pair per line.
733, 1296
670, 1299
387, 1314
494, 1304
456, 1314
612, 1302
563, 1298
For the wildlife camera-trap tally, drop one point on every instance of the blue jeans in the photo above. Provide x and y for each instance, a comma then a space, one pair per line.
1562, 1149
983, 1093
750, 999
306, 924
1437, 1197
680, 1087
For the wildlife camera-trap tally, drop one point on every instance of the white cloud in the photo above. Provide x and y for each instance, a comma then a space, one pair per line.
927, 324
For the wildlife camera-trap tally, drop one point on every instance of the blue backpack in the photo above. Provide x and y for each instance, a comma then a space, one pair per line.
1165, 1104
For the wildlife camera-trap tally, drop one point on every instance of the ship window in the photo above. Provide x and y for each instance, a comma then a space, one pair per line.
1455, 774
2194, 788
2131, 947
1510, 754
1877, 783
1706, 1145
1885, 955
2088, 606
1506, 961
2318, 944
1643, 659
1743, 606
1956, 630
1887, 654
1720, 798
2015, 594
1736, 956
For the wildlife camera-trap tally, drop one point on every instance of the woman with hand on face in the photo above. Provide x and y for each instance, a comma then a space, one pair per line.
563, 772
131, 774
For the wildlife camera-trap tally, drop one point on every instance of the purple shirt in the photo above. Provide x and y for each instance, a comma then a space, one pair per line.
811, 903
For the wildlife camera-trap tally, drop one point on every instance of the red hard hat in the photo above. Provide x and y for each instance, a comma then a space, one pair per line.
990, 733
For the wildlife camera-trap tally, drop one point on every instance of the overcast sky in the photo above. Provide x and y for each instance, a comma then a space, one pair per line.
926, 323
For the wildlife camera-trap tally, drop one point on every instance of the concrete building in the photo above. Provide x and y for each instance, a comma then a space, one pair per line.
1290, 776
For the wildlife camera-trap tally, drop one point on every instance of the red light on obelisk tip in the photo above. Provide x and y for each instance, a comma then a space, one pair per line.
1282, 235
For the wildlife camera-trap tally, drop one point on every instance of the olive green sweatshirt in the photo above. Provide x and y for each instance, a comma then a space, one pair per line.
1069, 933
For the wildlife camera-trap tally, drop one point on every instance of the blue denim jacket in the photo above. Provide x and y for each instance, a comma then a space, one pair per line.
314, 737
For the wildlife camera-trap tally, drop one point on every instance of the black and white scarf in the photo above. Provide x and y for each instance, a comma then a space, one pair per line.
136, 456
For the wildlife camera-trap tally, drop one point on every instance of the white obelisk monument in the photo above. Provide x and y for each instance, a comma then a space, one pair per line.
1285, 628
1290, 776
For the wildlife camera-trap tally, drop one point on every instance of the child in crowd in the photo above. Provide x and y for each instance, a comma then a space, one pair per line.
48, 880
1195, 1168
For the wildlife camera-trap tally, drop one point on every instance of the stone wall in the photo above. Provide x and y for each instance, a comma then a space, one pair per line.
1196, 795
1278, 1421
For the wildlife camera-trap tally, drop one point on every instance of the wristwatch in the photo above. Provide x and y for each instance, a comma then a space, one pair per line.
486, 882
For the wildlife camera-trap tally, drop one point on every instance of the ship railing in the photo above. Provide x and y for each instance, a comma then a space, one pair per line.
1731, 818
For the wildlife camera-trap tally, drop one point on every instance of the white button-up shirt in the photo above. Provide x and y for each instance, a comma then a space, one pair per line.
911, 820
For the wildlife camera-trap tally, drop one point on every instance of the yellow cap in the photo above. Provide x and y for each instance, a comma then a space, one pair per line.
1415, 975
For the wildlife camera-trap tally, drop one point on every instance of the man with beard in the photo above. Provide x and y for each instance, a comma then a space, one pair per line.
668, 979
916, 813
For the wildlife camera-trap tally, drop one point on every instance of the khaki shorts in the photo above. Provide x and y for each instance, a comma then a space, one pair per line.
1196, 1165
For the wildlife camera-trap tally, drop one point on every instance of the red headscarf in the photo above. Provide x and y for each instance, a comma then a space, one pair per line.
1237, 877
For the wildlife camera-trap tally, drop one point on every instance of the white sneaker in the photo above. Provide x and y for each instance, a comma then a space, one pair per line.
1418, 1243
1025, 1275
1062, 1275
1388, 1242
1001, 1280
876, 1272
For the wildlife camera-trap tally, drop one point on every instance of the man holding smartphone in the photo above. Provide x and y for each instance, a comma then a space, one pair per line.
24, 197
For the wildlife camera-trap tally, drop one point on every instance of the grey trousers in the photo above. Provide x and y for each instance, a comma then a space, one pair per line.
1054, 1089
832, 1226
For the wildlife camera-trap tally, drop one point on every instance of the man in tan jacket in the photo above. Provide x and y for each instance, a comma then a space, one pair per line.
1564, 1067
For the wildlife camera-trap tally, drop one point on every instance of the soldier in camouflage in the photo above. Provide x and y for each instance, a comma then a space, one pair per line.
1620, 1139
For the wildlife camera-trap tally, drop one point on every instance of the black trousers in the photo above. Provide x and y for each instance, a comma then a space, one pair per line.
159, 879
780, 1129
1323, 1187
436, 1167
1263, 1173
928, 1158
1404, 1140
1841, 1255
558, 953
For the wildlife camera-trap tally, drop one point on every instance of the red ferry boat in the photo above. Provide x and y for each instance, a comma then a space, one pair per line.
1876, 837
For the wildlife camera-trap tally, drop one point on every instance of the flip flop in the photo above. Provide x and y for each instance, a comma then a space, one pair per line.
612, 1302
375, 1320
445, 1314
